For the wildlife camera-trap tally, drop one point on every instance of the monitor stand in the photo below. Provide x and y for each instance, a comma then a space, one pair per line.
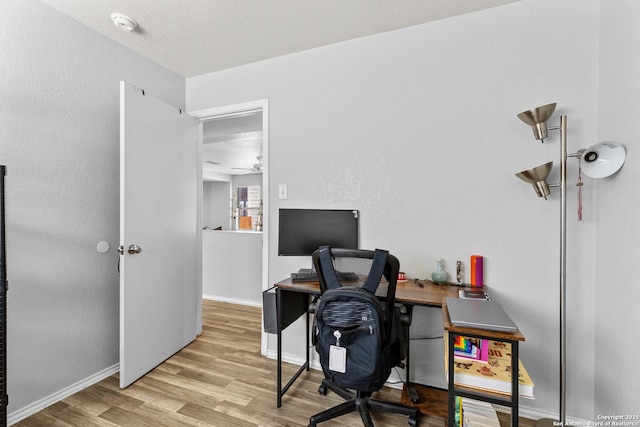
307, 270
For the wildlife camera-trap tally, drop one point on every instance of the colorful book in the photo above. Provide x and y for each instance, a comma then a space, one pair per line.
471, 348
458, 411
493, 375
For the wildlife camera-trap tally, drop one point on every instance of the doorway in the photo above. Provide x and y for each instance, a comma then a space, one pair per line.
233, 150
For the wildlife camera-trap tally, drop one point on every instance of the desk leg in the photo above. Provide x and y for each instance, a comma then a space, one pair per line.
280, 322
451, 402
407, 326
308, 339
279, 334
408, 361
515, 392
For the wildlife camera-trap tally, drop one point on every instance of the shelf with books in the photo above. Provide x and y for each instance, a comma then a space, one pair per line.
494, 375
491, 391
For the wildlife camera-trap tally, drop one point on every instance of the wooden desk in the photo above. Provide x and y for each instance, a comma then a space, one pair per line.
406, 292
434, 400
288, 293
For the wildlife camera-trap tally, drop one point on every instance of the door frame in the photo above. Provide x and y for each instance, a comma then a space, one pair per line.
229, 110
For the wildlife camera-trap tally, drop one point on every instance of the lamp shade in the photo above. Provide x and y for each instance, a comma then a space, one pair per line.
538, 178
537, 119
602, 160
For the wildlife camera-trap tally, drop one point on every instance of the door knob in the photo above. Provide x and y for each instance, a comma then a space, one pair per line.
134, 249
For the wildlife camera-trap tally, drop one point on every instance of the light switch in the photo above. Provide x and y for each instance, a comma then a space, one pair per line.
282, 191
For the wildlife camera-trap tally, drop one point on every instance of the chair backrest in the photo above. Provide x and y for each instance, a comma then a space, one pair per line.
352, 327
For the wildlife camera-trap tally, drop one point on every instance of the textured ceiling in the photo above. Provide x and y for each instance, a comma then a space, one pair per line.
194, 37
232, 145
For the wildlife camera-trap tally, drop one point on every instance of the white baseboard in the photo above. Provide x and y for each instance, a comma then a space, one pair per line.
31, 409
293, 359
232, 300
537, 414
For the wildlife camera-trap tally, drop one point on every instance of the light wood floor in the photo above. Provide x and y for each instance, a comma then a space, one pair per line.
218, 380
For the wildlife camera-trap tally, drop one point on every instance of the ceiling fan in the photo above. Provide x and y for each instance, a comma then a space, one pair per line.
257, 167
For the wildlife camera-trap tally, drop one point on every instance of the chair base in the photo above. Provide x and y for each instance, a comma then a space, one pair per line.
362, 403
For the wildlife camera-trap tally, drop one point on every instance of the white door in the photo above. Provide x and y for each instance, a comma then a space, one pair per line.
158, 200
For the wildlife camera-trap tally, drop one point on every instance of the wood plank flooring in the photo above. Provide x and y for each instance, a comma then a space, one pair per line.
218, 380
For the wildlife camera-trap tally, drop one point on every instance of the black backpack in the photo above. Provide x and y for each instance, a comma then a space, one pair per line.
352, 319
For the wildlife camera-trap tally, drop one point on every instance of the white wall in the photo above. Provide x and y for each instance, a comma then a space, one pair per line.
246, 180
417, 129
59, 132
616, 289
232, 266
216, 204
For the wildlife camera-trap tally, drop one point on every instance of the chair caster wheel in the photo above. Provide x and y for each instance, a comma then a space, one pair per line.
322, 390
413, 421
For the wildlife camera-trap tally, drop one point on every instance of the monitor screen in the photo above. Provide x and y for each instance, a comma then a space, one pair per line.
302, 231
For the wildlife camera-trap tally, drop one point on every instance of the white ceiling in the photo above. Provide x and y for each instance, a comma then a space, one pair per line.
194, 37
232, 145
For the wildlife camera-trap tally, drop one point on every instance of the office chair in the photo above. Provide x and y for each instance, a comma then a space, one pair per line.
370, 267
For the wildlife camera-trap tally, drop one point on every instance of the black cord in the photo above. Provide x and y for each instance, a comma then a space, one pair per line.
426, 338
395, 368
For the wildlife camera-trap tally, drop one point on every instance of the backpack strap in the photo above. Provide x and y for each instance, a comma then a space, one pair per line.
373, 279
326, 264
376, 271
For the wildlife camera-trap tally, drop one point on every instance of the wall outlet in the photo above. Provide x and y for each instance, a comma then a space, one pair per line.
282, 192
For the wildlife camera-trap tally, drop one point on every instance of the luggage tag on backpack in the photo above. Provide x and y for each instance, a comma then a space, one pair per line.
337, 355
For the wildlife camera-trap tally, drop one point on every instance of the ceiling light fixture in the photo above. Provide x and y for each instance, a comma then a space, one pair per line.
123, 22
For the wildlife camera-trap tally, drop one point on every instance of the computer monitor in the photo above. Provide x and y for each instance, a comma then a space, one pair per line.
302, 231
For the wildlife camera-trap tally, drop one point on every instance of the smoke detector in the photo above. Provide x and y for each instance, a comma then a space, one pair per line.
123, 22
